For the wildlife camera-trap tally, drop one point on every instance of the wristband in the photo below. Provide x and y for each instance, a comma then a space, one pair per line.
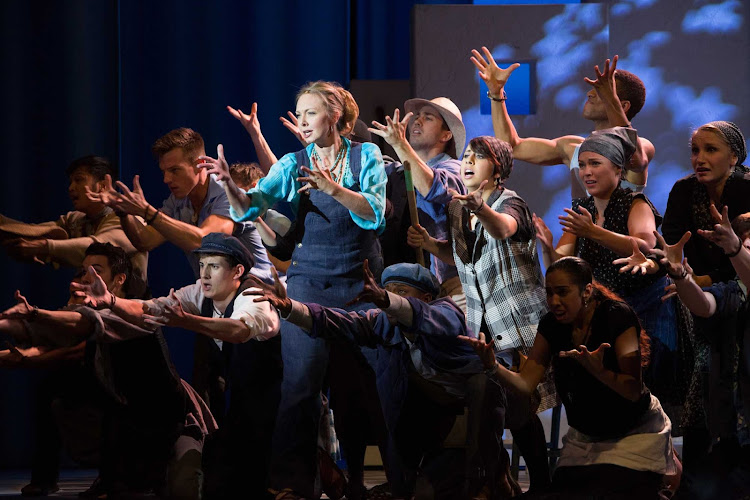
491, 372
678, 277
112, 303
33, 314
153, 217
735, 253
503, 97
478, 209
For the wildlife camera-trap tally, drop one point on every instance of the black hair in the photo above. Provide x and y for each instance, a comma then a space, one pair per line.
119, 263
581, 274
96, 166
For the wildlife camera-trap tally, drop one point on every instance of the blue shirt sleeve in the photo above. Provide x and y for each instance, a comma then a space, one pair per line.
372, 184
168, 207
280, 184
447, 176
219, 204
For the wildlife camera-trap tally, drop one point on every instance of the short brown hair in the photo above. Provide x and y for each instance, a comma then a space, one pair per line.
336, 100
245, 175
184, 138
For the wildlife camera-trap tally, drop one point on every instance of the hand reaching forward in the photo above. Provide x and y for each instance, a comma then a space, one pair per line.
637, 263
127, 201
217, 166
371, 291
494, 76
92, 290
172, 315
592, 361
543, 233
722, 234
473, 201
320, 178
580, 224
250, 122
292, 125
21, 310
485, 350
394, 130
273, 294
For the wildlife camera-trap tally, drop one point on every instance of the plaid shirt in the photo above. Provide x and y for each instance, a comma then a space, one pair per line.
503, 283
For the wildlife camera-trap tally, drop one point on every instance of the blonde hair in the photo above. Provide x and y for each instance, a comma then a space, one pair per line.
336, 100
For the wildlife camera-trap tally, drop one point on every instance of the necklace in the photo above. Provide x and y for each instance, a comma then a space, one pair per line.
218, 313
337, 170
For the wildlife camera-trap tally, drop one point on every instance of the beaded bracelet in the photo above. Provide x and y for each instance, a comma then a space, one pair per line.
153, 217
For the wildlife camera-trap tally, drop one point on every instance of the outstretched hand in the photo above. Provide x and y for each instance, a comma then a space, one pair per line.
250, 122
394, 130
485, 350
26, 249
126, 201
543, 233
473, 201
217, 166
671, 255
172, 315
580, 224
320, 178
493, 75
11, 357
92, 291
371, 291
292, 125
21, 310
637, 263
593, 361
722, 234
273, 294
605, 80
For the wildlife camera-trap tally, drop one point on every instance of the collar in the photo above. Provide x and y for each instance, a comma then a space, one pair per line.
439, 159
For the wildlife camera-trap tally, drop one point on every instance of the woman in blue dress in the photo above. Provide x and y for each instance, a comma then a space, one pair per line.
337, 189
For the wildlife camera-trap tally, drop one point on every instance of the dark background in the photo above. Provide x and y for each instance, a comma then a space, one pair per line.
109, 77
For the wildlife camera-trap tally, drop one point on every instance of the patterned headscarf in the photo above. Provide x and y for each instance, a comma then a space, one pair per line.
733, 136
617, 144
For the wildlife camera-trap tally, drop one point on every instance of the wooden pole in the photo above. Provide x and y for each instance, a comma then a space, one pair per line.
411, 198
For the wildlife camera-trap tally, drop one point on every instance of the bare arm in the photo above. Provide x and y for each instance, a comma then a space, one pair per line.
616, 110
641, 226
186, 236
627, 382
532, 149
266, 158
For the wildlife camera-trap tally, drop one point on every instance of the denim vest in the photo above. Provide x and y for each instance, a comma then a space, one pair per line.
329, 246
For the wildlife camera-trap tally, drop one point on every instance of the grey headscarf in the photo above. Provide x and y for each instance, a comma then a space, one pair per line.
617, 144
733, 135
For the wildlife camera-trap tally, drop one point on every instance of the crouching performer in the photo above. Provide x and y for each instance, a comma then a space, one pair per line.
154, 423
235, 460
424, 373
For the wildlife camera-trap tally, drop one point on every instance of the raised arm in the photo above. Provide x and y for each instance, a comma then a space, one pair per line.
394, 133
616, 110
531, 149
266, 158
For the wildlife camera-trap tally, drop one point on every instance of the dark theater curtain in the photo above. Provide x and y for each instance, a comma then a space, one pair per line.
108, 77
